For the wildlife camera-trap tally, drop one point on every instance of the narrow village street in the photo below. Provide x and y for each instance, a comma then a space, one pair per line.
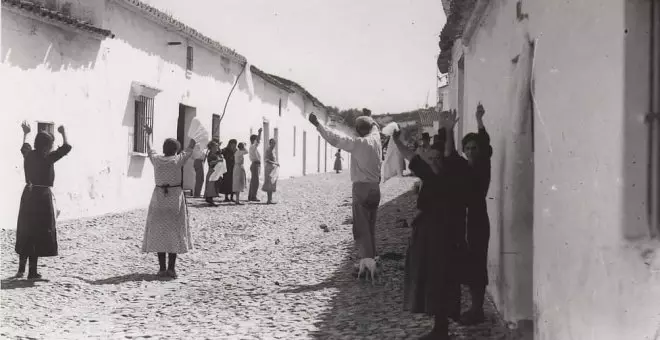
258, 272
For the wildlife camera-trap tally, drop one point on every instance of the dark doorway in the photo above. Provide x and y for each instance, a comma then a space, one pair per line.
186, 115
304, 157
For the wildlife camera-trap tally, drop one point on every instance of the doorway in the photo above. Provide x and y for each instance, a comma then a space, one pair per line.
325, 163
266, 136
276, 136
186, 115
304, 157
461, 98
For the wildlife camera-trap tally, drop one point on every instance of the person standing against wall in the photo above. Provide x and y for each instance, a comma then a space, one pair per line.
255, 167
198, 164
365, 166
478, 152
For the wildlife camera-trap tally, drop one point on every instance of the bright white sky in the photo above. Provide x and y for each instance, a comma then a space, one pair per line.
379, 54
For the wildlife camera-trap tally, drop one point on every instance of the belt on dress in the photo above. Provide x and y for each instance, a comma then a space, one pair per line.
166, 187
30, 186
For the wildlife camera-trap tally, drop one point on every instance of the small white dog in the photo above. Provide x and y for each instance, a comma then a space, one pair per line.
371, 266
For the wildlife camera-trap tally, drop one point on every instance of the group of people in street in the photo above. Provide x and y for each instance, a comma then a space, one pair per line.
449, 242
233, 181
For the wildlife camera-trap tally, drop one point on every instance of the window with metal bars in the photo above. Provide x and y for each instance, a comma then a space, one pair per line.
189, 58
45, 126
144, 115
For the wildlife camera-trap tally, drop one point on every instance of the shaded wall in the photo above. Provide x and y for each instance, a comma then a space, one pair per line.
596, 272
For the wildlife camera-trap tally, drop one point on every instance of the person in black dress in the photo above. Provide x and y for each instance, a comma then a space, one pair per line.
213, 157
431, 279
226, 185
36, 235
478, 152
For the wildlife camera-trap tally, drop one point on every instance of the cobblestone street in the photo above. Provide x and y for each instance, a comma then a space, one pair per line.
258, 272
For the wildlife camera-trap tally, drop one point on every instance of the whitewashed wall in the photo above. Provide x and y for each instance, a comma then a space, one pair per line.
69, 78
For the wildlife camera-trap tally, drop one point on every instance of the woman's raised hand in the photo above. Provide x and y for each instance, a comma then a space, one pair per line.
449, 119
480, 111
26, 127
60, 129
148, 129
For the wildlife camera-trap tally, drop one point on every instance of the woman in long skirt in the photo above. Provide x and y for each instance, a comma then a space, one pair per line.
271, 171
338, 159
213, 157
167, 229
432, 277
240, 176
478, 151
228, 178
36, 233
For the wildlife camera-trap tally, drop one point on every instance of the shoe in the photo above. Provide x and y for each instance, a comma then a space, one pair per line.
162, 273
172, 273
34, 276
271, 202
18, 275
255, 200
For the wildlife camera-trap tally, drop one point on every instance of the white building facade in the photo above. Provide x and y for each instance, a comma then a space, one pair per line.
129, 65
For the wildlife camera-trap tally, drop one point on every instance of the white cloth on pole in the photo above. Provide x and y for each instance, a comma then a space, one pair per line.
394, 163
218, 170
248, 79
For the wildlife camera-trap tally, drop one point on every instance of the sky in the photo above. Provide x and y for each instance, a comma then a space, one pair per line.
379, 54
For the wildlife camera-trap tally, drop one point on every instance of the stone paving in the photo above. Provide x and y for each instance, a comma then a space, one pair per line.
258, 272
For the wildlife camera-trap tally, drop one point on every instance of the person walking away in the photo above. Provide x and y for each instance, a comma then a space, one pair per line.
435, 250
338, 159
271, 171
477, 149
213, 157
365, 168
167, 229
239, 179
36, 232
255, 166
228, 178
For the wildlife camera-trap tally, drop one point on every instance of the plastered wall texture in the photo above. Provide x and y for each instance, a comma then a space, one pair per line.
55, 75
570, 245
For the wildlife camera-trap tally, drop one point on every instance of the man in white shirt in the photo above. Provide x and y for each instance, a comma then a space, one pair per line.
365, 166
255, 167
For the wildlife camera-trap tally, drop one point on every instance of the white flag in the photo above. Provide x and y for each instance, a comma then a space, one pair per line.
394, 163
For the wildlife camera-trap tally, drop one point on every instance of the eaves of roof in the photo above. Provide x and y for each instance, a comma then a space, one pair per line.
167, 20
42, 13
293, 84
267, 77
459, 13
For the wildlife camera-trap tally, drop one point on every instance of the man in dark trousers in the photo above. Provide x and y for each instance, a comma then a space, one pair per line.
255, 167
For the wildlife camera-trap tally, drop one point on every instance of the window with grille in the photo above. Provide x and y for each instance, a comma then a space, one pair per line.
144, 115
48, 127
215, 127
189, 59
294, 141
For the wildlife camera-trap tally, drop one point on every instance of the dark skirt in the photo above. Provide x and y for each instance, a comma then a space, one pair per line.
226, 184
478, 236
431, 278
36, 234
337, 164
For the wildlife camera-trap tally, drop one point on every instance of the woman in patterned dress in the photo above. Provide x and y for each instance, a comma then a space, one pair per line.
270, 173
228, 177
213, 157
240, 176
167, 229
36, 235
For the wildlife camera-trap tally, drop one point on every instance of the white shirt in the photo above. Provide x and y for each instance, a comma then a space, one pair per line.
254, 153
366, 153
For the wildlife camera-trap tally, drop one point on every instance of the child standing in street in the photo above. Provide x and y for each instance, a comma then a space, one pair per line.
167, 229
36, 235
